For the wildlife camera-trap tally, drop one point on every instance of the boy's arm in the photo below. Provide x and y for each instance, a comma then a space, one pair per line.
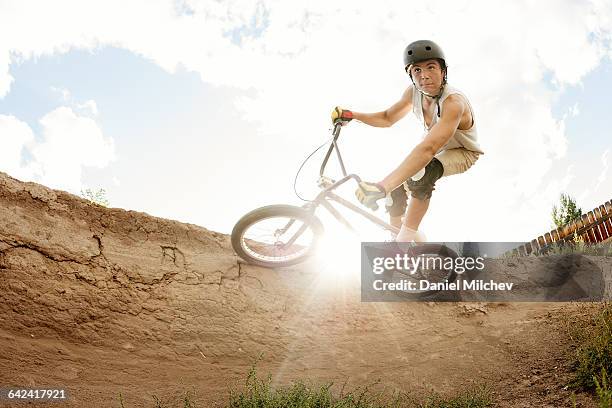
422, 154
390, 116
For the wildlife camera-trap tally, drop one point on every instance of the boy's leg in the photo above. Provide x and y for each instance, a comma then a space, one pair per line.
420, 191
446, 163
395, 221
398, 207
417, 208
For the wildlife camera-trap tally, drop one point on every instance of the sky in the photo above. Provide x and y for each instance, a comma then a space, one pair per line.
201, 111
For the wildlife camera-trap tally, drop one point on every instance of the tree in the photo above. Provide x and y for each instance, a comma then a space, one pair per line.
566, 212
96, 196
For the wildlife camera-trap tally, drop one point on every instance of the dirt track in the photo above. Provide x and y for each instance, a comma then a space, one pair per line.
105, 301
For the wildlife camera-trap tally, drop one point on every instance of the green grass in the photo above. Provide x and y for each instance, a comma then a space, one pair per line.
579, 247
259, 393
604, 390
474, 398
593, 360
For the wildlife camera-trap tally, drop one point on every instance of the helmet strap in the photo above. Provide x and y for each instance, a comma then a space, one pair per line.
435, 97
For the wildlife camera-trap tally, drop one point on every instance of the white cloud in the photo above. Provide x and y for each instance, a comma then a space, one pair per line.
302, 59
531, 36
66, 98
15, 137
67, 144
89, 106
70, 142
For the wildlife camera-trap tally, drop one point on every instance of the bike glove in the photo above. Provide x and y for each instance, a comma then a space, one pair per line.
369, 193
343, 116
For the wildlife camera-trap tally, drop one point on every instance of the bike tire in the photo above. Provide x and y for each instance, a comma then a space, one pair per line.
259, 253
428, 249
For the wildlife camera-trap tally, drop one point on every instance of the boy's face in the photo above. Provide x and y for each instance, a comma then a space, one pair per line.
428, 76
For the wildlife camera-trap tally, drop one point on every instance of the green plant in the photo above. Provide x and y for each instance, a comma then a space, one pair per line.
567, 211
594, 352
577, 246
603, 389
96, 196
259, 393
474, 398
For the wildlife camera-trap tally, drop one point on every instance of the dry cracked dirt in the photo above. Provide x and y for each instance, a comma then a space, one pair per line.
103, 301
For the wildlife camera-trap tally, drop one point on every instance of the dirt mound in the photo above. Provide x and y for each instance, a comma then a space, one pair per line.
105, 301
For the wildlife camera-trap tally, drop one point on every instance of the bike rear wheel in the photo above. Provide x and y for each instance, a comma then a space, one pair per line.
276, 235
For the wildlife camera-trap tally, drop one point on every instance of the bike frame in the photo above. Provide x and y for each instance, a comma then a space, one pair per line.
326, 196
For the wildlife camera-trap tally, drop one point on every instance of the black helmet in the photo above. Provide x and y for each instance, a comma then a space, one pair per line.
422, 50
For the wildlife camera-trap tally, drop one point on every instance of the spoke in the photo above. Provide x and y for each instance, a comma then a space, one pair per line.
277, 239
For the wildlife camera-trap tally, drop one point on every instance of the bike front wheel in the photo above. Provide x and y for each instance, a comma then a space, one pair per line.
276, 235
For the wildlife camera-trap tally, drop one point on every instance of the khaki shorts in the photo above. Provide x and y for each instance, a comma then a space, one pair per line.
456, 161
453, 161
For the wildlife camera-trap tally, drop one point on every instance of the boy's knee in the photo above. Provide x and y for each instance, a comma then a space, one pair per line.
399, 200
422, 188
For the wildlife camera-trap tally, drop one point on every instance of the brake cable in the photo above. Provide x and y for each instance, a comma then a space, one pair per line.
302, 165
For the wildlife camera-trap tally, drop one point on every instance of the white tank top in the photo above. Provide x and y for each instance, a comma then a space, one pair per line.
467, 139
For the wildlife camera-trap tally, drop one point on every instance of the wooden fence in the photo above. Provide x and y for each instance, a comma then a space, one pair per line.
594, 226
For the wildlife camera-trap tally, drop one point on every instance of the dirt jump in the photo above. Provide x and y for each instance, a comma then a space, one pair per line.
105, 302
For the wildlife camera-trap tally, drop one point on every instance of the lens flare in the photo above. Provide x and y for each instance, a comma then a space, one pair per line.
338, 258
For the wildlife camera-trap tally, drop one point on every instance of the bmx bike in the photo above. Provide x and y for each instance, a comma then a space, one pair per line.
282, 235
